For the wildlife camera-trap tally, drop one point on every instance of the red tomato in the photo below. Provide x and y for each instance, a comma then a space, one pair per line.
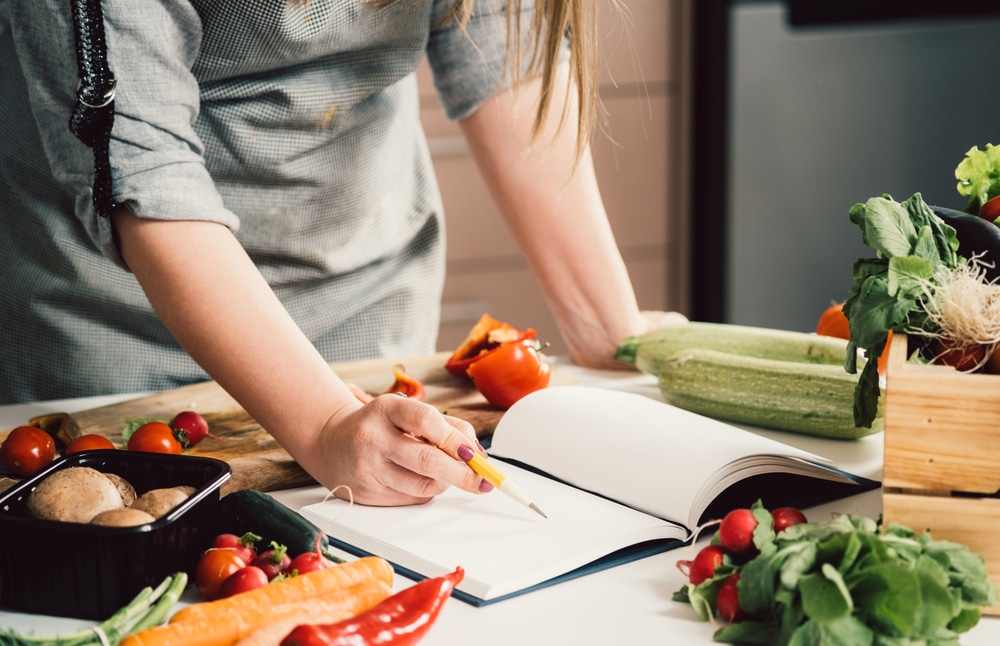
154, 437
26, 450
249, 578
89, 442
190, 427
785, 517
833, 322
990, 210
510, 372
214, 567
705, 562
727, 600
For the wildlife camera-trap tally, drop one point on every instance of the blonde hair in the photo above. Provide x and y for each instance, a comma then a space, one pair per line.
551, 20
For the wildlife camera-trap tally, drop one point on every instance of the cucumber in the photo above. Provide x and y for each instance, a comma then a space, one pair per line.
789, 381
255, 511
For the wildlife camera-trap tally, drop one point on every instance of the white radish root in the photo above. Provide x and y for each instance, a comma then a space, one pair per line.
963, 308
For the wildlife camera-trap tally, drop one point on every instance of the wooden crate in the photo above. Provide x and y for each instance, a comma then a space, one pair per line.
942, 454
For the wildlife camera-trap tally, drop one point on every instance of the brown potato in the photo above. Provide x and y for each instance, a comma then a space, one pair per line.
74, 495
157, 502
122, 518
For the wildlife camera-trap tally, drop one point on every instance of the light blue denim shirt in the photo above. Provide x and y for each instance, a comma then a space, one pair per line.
296, 125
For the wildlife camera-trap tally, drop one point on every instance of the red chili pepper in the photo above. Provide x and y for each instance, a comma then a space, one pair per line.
406, 384
401, 620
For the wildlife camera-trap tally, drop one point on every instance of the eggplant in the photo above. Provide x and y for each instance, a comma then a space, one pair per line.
976, 237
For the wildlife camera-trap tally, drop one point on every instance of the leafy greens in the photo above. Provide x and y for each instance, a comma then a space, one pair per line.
978, 176
911, 244
846, 582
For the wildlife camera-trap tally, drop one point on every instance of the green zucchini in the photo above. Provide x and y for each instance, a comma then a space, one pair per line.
789, 381
254, 511
648, 350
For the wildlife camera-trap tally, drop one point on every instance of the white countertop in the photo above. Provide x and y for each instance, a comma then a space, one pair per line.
631, 602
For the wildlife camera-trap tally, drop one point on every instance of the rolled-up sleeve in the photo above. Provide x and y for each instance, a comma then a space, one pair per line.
158, 169
469, 63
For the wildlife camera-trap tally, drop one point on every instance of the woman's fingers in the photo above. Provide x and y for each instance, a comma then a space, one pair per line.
405, 452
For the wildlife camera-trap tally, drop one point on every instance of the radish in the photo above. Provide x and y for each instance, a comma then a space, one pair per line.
727, 601
242, 545
736, 532
309, 561
190, 427
274, 561
705, 562
785, 517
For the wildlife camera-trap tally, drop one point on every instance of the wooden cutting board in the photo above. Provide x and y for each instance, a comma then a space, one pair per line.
257, 460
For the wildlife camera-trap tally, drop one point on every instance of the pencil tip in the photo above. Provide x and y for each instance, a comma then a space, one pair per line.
540, 512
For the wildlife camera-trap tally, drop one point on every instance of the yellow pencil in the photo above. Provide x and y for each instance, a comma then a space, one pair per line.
495, 477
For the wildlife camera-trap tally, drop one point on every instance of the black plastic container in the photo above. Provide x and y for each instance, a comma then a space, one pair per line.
89, 571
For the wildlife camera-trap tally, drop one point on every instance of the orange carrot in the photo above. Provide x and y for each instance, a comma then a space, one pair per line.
318, 612
355, 586
291, 590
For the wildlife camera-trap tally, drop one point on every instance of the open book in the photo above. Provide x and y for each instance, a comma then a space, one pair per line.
619, 475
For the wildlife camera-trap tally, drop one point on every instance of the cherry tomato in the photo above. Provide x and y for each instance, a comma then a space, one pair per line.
406, 384
190, 428
785, 517
214, 567
249, 578
26, 450
89, 442
510, 372
242, 545
727, 600
154, 437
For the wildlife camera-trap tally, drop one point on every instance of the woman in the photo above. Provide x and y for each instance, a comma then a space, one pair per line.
278, 209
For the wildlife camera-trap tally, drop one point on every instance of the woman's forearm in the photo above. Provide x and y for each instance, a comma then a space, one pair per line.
220, 309
558, 218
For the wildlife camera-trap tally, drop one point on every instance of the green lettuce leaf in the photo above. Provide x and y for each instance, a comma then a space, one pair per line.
978, 176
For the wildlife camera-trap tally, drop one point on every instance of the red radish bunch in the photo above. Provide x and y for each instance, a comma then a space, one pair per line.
233, 565
733, 545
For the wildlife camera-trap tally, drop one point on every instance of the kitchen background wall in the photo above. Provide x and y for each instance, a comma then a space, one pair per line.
823, 117
639, 157
797, 125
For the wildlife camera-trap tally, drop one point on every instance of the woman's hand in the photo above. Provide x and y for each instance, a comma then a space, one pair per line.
595, 348
393, 451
